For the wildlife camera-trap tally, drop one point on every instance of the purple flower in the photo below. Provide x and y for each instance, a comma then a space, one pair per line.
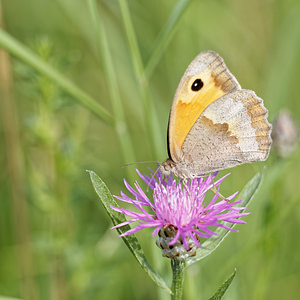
181, 207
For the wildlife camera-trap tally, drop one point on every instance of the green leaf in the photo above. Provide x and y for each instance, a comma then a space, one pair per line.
23, 53
223, 288
165, 36
213, 242
131, 240
113, 86
149, 109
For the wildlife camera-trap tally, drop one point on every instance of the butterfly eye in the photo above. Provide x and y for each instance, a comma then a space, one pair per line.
197, 85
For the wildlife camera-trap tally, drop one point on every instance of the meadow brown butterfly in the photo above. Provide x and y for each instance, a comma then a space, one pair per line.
214, 124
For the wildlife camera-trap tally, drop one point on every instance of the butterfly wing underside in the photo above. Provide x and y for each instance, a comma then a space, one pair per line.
188, 104
213, 123
231, 131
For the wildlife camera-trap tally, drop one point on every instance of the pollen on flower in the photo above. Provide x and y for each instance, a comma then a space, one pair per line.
178, 213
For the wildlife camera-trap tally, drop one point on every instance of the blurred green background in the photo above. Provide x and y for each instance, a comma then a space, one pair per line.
128, 57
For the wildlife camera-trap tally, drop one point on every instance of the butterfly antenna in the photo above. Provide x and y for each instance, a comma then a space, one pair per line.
139, 162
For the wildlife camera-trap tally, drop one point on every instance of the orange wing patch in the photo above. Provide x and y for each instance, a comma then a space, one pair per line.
189, 107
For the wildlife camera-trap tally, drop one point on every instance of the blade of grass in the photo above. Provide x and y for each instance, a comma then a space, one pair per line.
132, 40
150, 114
119, 115
165, 36
23, 53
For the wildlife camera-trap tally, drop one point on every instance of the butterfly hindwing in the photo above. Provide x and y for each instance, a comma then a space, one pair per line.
231, 131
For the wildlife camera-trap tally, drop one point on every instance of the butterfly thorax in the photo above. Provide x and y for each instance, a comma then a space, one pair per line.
179, 169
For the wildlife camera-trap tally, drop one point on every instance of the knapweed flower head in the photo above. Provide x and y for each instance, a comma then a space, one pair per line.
179, 212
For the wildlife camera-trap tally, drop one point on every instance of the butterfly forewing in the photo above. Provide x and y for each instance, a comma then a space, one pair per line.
205, 80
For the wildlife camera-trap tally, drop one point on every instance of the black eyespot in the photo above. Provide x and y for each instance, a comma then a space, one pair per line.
197, 85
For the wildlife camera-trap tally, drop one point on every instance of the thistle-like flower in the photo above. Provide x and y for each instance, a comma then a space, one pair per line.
179, 213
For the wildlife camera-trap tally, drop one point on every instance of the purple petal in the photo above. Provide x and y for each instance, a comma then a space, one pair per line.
181, 204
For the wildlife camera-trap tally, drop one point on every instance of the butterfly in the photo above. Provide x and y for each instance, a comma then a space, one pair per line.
214, 124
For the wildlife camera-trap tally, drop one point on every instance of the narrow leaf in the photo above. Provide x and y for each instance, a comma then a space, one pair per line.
223, 288
149, 109
131, 240
113, 86
166, 35
23, 53
213, 242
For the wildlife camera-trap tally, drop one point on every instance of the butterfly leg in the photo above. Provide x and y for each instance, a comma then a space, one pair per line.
214, 190
184, 181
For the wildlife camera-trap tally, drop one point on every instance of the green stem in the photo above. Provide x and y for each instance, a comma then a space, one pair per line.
16, 173
178, 276
27, 56
150, 115
112, 83
166, 35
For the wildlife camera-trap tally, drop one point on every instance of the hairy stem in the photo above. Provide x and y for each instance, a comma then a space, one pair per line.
178, 276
